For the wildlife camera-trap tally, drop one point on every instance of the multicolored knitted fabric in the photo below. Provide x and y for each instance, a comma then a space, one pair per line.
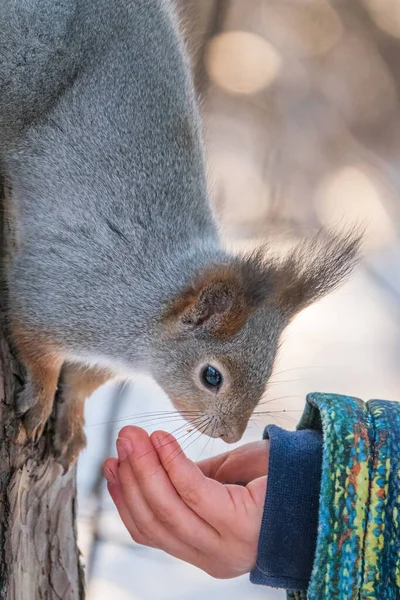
358, 546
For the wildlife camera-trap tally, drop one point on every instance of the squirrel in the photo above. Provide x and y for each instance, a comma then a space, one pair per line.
118, 266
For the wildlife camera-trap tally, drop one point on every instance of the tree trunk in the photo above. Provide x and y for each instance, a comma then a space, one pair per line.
39, 556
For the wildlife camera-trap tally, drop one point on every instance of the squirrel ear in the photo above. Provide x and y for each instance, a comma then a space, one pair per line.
315, 268
214, 301
215, 304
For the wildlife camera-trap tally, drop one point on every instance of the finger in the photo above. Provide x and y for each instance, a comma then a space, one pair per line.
116, 493
110, 469
243, 464
258, 489
206, 497
161, 496
210, 467
142, 523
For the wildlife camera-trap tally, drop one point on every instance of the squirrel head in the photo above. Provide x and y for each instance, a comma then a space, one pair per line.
219, 337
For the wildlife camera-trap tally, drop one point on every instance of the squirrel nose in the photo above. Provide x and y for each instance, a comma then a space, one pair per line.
233, 434
229, 430
230, 438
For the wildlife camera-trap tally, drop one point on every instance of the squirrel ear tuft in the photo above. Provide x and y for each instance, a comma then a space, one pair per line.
220, 300
215, 304
314, 268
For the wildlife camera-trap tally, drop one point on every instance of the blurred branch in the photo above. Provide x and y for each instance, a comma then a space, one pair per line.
216, 24
203, 20
383, 283
98, 486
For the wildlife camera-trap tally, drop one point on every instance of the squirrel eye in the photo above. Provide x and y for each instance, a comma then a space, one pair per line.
211, 377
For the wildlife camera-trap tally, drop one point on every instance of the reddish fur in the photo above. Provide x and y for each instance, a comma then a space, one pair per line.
226, 278
77, 384
37, 351
43, 362
311, 270
81, 382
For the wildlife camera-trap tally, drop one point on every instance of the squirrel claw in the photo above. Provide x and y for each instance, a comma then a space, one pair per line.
21, 438
34, 430
25, 401
68, 445
33, 407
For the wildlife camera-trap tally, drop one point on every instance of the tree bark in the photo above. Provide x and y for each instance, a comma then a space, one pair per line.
39, 556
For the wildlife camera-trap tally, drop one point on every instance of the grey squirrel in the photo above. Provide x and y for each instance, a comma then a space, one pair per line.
118, 266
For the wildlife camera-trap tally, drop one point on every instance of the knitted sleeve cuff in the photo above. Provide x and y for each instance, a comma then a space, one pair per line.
289, 526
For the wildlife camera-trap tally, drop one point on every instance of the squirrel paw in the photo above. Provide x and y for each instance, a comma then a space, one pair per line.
69, 436
34, 409
67, 449
26, 399
34, 422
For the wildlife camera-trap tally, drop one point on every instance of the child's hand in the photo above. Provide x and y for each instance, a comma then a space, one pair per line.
241, 465
168, 502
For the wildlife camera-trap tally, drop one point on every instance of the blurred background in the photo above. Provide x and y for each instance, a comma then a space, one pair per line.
300, 101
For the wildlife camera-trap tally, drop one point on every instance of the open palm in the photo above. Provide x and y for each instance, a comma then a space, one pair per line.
195, 512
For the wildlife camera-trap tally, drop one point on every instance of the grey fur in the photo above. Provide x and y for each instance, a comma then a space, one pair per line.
101, 142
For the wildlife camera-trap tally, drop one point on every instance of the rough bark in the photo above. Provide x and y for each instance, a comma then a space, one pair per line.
39, 556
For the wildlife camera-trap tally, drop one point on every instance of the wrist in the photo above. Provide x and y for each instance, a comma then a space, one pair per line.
290, 517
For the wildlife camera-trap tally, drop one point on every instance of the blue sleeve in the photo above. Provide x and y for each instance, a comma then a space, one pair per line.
289, 526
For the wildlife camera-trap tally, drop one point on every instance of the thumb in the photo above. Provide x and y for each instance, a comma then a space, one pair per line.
241, 465
258, 489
